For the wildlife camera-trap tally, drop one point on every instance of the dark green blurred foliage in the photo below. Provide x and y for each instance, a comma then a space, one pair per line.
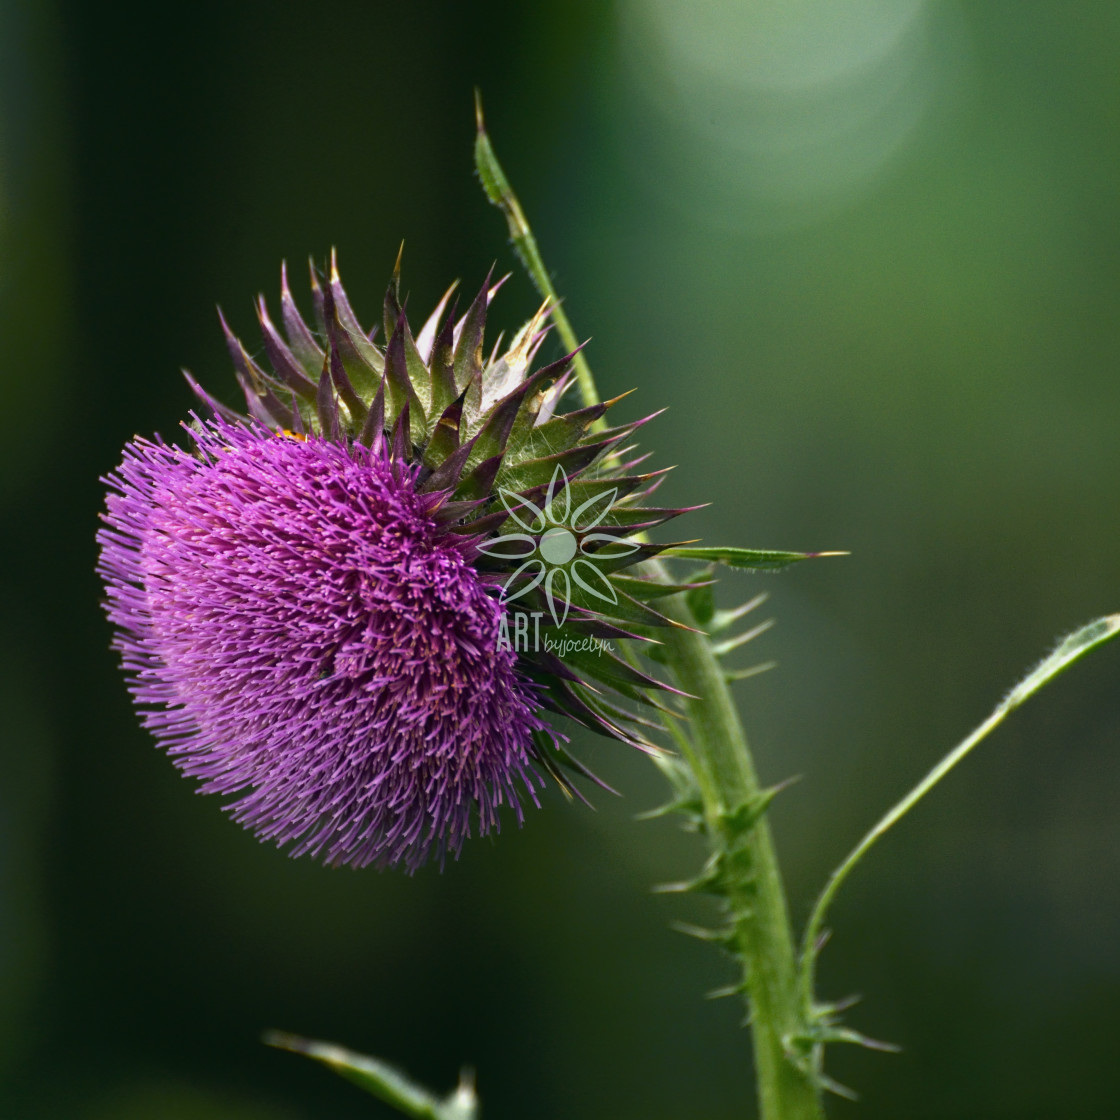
883, 310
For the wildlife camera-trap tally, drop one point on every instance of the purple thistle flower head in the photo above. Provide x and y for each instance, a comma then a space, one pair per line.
314, 606
299, 628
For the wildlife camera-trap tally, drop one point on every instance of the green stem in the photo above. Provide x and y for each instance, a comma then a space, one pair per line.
717, 752
1069, 650
813, 930
721, 760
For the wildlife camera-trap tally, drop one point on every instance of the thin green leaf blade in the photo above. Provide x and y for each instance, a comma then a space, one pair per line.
382, 1080
753, 559
500, 193
1068, 650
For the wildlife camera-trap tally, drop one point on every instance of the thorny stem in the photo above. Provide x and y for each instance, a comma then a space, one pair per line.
717, 752
721, 760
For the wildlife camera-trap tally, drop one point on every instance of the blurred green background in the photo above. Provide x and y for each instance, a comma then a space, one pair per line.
868, 253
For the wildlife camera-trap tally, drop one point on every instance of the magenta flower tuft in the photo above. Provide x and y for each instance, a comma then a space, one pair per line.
314, 604
299, 628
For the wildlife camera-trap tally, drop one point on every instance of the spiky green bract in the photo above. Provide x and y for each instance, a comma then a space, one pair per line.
489, 434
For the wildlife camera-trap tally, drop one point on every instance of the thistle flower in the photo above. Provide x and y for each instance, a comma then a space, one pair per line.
313, 605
